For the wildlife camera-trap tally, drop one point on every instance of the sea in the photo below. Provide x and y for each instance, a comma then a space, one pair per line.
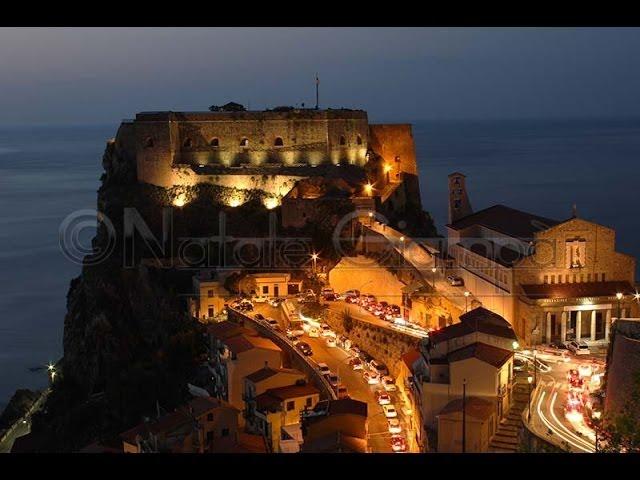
51, 173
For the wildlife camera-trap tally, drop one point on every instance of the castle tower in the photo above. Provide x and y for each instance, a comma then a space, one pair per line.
459, 205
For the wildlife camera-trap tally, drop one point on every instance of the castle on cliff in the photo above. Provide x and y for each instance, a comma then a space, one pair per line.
271, 151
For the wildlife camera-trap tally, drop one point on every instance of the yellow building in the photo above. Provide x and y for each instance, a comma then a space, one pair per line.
210, 295
276, 284
277, 414
479, 426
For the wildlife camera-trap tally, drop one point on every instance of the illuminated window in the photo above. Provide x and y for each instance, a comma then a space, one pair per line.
278, 142
148, 143
244, 142
188, 143
343, 141
214, 142
359, 140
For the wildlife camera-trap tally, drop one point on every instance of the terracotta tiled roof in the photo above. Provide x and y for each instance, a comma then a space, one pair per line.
577, 290
335, 442
201, 405
243, 343
345, 405
506, 220
474, 407
487, 353
227, 329
268, 372
477, 320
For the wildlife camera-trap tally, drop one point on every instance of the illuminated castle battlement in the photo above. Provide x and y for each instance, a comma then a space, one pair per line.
266, 150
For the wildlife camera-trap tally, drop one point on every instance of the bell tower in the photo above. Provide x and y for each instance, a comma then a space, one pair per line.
459, 205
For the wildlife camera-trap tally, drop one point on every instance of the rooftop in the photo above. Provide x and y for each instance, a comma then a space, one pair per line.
506, 220
477, 320
244, 343
268, 372
273, 398
494, 356
296, 113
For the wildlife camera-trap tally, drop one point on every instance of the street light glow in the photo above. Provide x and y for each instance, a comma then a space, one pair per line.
467, 293
619, 295
368, 188
530, 379
434, 269
515, 345
402, 239
314, 256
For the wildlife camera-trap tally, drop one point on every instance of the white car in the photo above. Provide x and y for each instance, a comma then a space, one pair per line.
313, 332
259, 299
327, 332
331, 341
578, 348
389, 411
585, 370
384, 398
324, 368
394, 425
297, 331
326, 291
333, 379
371, 378
455, 281
388, 384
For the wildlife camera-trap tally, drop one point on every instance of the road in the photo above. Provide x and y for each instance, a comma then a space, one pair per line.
422, 260
338, 361
548, 419
361, 314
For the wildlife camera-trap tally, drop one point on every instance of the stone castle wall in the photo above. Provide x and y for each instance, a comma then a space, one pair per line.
385, 345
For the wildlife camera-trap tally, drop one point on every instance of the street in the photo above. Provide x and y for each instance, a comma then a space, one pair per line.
338, 361
548, 416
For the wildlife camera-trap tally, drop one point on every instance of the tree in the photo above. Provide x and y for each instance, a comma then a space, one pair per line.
240, 283
314, 310
620, 431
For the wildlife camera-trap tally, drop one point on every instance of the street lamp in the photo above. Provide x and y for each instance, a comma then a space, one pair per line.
370, 219
619, 297
387, 169
434, 270
402, 243
314, 257
530, 380
466, 300
368, 188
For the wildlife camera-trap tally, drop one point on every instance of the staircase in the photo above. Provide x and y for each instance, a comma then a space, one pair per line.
506, 438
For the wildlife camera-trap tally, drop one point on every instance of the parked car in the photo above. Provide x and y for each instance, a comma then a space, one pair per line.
329, 297
342, 392
326, 291
585, 370
388, 384
333, 379
455, 281
259, 317
519, 365
331, 341
275, 302
398, 443
383, 398
371, 378
293, 338
304, 348
352, 293
389, 411
295, 330
323, 368
272, 323
259, 298
578, 348
558, 345
356, 363
378, 367
326, 331
314, 332
394, 425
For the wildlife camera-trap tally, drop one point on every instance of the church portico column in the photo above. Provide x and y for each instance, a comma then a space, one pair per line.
578, 325
548, 328
607, 325
563, 327
593, 325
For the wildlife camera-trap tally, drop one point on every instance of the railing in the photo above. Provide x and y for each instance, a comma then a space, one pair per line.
283, 342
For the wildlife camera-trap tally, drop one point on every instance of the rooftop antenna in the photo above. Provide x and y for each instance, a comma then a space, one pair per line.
317, 95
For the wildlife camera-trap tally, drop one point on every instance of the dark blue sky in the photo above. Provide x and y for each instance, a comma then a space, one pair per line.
89, 75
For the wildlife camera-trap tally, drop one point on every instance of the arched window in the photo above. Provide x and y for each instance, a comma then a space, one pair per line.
359, 140
343, 141
278, 142
188, 143
148, 143
214, 142
244, 142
